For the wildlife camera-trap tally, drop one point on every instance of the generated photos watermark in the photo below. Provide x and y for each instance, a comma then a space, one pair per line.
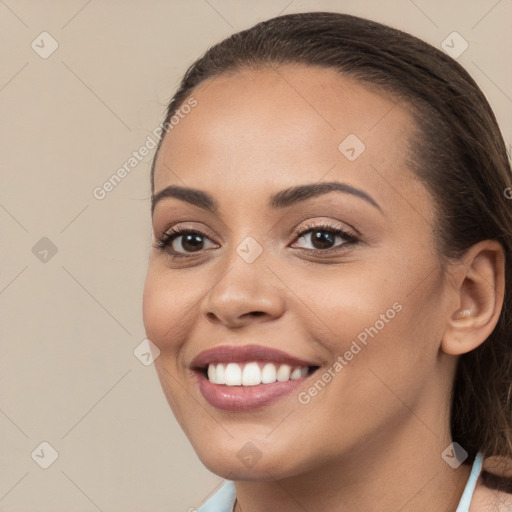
101, 191
344, 359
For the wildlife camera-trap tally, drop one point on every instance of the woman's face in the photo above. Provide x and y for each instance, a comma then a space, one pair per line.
362, 313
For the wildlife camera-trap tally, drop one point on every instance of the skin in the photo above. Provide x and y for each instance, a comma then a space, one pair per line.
372, 439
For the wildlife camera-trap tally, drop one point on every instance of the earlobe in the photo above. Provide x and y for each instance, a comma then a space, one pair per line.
480, 285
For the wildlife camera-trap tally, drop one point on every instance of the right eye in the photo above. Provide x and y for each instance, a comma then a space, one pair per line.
179, 242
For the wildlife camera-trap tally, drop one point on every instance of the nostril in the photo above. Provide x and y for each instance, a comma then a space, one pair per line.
253, 313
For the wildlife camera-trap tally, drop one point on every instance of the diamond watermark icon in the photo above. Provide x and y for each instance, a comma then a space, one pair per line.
249, 454
44, 455
454, 455
454, 45
146, 352
351, 147
249, 249
44, 45
44, 250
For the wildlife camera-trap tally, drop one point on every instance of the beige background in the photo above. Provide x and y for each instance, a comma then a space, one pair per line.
69, 325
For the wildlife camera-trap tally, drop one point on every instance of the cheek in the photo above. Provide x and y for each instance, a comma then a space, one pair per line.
164, 308
157, 310
346, 304
184, 410
375, 315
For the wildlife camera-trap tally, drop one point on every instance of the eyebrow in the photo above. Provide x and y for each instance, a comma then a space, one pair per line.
283, 199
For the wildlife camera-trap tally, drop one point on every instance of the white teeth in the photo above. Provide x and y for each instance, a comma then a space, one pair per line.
283, 374
268, 374
252, 374
296, 374
212, 373
220, 374
233, 375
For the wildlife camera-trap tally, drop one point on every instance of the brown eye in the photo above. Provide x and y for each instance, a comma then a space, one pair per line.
324, 237
189, 243
180, 242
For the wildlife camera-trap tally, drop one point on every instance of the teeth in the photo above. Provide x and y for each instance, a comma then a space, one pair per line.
251, 376
212, 373
296, 374
268, 374
253, 373
233, 375
220, 374
283, 374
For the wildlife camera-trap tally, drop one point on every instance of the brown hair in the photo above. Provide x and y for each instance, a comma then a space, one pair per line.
457, 151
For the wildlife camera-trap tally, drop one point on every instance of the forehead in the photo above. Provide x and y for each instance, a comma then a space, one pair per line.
284, 124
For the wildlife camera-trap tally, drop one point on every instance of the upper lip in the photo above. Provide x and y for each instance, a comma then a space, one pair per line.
243, 354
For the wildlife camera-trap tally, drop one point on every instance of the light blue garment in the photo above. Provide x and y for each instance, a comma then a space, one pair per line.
224, 499
470, 486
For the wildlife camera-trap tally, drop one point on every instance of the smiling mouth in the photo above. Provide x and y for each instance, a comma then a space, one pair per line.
254, 373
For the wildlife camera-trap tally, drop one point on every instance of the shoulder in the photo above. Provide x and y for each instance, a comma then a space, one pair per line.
493, 492
490, 500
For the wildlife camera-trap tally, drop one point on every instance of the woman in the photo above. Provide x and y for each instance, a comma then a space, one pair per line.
329, 281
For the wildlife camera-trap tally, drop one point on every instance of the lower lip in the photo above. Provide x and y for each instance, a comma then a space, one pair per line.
243, 398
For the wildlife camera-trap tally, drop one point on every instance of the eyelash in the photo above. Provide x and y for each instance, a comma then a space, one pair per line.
169, 236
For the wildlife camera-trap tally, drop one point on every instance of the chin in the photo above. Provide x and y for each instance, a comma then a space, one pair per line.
236, 471
244, 461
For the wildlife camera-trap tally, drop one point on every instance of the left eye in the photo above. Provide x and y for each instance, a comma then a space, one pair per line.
324, 238
190, 242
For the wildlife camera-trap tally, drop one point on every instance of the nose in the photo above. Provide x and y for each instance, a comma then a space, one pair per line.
243, 294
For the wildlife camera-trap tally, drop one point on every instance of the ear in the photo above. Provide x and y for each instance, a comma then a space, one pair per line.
479, 283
